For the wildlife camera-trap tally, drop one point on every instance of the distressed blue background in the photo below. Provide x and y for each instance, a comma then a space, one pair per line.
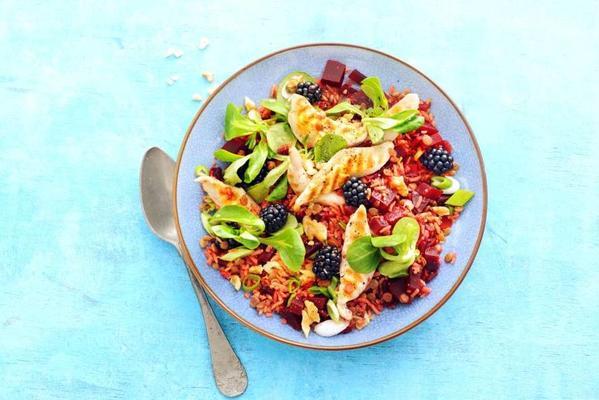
92, 306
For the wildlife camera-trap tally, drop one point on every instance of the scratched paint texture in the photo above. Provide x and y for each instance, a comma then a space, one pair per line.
92, 306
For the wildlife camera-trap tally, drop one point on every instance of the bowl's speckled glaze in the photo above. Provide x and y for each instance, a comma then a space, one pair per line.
205, 135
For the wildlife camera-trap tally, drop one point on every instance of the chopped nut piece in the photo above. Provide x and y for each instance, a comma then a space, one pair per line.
172, 79
450, 257
398, 184
197, 97
248, 104
204, 42
314, 229
361, 323
205, 241
254, 115
235, 281
270, 265
255, 269
208, 75
312, 311
418, 154
440, 211
306, 275
305, 323
173, 53
309, 316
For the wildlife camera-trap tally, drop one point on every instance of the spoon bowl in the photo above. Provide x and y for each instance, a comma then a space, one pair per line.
157, 173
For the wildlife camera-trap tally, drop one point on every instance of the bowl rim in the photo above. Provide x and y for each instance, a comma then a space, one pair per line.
194, 269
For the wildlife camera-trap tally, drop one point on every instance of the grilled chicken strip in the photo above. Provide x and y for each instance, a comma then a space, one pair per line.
356, 161
309, 124
352, 283
223, 194
298, 180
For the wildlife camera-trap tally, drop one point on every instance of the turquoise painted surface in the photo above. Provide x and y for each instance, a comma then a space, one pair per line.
92, 306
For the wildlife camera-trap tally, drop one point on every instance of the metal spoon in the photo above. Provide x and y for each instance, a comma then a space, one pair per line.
156, 180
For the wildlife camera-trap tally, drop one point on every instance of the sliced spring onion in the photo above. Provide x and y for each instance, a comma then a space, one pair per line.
201, 170
293, 285
332, 310
455, 185
250, 282
236, 253
290, 299
319, 290
332, 288
460, 198
440, 182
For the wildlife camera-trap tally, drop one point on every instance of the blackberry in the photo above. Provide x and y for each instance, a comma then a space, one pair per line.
326, 263
274, 217
309, 90
437, 160
355, 192
231, 243
259, 178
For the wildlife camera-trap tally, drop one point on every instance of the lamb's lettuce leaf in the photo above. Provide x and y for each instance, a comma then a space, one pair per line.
372, 88
327, 146
256, 161
260, 190
280, 138
290, 246
237, 124
239, 215
226, 156
231, 177
277, 106
345, 107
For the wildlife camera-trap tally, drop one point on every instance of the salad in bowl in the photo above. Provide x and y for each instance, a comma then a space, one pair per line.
330, 200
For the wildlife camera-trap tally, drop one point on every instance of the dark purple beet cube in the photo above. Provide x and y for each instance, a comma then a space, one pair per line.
292, 319
357, 76
347, 90
360, 97
333, 73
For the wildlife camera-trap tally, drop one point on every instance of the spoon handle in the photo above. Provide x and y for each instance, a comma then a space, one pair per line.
229, 374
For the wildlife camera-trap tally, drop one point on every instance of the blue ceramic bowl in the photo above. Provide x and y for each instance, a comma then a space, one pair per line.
255, 80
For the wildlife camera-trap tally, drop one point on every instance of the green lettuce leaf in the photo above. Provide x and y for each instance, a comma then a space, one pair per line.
279, 191
239, 215
236, 253
280, 138
226, 156
345, 107
256, 161
327, 146
372, 88
290, 246
276, 106
260, 190
231, 177
362, 256
237, 124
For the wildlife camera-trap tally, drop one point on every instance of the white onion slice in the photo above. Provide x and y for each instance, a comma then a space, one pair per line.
330, 328
455, 185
